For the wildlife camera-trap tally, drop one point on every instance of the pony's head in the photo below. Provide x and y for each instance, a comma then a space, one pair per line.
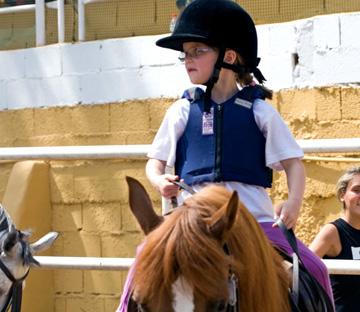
190, 257
16, 258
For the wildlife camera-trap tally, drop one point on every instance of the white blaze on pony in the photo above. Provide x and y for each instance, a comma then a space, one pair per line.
183, 296
16, 258
190, 256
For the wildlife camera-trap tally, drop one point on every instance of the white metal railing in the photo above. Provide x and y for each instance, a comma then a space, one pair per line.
74, 152
350, 267
40, 22
140, 151
330, 145
39, 8
84, 263
17, 9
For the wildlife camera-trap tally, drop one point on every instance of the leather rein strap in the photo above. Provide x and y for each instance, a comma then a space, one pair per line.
15, 293
182, 186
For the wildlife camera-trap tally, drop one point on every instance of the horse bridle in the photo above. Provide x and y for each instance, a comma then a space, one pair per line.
15, 293
14, 296
220, 306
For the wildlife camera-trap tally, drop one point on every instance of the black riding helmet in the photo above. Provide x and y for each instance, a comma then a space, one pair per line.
222, 24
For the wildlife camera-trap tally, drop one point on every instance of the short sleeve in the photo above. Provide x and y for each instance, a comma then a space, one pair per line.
171, 129
280, 143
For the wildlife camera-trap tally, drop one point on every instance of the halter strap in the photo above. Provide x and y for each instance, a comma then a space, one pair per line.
4, 225
15, 293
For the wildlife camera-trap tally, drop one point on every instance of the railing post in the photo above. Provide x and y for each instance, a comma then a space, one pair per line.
61, 21
81, 20
40, 22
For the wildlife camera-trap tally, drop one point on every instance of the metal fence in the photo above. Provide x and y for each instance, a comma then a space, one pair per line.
349, 267
345, 145
27, 23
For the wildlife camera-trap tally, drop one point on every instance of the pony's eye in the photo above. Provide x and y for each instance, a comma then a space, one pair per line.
218, 306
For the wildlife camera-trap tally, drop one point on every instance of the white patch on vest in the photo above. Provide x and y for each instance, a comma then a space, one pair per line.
355, 253
243, 103
208, 122
183, 296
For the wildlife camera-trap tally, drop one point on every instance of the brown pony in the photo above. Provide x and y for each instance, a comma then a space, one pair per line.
184, 266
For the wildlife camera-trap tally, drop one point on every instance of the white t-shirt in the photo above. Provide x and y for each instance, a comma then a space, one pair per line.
280, 145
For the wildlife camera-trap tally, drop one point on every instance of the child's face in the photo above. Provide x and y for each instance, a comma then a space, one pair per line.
199, 61
351, 197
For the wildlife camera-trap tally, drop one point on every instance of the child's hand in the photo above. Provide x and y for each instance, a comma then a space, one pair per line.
165, 186
288, 212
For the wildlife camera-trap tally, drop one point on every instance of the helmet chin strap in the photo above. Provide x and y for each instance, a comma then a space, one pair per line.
213, 79
239, 69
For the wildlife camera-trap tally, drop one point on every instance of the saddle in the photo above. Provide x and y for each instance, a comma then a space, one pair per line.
306, 293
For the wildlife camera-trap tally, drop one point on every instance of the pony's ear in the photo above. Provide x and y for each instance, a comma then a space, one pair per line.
141, 206
43, 243
223, 220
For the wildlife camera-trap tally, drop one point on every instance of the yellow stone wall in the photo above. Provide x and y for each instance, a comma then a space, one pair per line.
89, 197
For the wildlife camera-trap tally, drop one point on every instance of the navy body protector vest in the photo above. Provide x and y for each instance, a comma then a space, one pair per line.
233, 151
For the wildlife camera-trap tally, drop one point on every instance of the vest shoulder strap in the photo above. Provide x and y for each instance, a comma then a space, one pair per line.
251, 93
193, 94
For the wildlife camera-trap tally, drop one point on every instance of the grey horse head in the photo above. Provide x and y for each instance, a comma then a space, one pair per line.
16, 258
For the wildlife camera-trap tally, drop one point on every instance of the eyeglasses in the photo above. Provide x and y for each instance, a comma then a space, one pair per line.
194, 53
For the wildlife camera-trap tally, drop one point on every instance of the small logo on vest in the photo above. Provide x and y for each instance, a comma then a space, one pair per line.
243, 103
355, 252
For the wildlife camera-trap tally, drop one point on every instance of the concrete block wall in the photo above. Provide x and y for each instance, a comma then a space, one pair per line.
90, 207
89, 197
126, 99
315, 52
315, 113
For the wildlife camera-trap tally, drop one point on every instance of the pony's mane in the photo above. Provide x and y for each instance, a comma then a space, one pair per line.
183, 245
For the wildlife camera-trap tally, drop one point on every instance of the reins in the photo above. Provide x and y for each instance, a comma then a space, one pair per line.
182, 186
14, 297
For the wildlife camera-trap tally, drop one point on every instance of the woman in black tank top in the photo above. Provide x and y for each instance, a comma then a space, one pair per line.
340, 239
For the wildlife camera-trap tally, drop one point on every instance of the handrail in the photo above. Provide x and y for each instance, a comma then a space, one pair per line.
350, 267
330, 145
74, 152
84, 263
139, 151
18, 8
